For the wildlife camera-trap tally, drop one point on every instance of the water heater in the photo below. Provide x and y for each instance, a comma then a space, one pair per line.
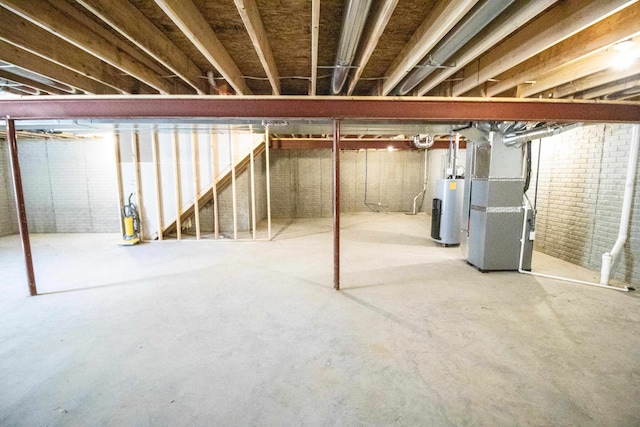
447, 211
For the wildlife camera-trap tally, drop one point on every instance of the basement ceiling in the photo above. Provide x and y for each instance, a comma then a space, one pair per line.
508, 48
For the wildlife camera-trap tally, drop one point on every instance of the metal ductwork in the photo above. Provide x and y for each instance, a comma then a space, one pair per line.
354, 14
423, 141
519, 138
477, 19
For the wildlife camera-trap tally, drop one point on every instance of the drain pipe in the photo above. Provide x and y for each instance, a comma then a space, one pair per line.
549, 276
608, 258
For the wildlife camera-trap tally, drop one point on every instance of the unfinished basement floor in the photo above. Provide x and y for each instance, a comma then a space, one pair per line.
200, 333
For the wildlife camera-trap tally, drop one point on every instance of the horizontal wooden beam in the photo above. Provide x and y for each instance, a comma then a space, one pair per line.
30, 83
322, 107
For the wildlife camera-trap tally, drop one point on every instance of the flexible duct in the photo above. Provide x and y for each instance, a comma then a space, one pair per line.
479, 17
423, 141
354, 17
608, 258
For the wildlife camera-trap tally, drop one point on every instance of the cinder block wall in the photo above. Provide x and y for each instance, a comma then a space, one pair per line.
69, 186
302, 181
580, 191
8, 218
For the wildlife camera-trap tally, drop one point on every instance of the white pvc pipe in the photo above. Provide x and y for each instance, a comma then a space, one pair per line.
549, 276
608, 258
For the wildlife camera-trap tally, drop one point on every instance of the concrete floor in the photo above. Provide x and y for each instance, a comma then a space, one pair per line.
236, 333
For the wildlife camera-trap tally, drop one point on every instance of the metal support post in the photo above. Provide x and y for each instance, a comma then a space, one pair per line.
336, 205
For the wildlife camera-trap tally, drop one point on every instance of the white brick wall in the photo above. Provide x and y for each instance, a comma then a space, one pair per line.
69, 186
581, 185
8, 220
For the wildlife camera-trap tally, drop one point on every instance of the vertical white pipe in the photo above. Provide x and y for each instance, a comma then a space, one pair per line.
608, 258
196, 179
232, 143
266, 155
253, 185
156, 164
214, 180
176, 172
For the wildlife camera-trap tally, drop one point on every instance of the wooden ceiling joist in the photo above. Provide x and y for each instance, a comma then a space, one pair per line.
619, 26
315, 31
27, 61
611, 88
444, 16
560, 22
49, 18
30, 83
248, 10
593, 81
188, 18
125, 18
27, 36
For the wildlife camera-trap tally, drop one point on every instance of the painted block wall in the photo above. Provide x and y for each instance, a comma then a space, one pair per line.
580, 191
8, 217
302, 181
69, 185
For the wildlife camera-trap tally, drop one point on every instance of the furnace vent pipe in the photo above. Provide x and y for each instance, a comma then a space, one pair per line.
545, 132
608, 258
475, 21
355, 16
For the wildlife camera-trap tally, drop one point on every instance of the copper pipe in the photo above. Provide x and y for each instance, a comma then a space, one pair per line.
336, 205
22, 212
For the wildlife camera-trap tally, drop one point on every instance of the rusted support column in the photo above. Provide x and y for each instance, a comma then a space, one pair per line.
336, 205
22, 213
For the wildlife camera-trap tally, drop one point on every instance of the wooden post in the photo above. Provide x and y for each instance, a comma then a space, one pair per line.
156, 163
116, 146
135, 149
176, 172
196, 180
214, 181
20, 207
266, 159
232, 143
253, 185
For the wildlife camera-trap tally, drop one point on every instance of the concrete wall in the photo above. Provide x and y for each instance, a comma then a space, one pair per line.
582, 174
8, 217
302, 181
69, 185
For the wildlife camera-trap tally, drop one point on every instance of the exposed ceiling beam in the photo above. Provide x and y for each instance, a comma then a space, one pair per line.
421, 110
125, 18
442, 18
188, 18
377, 143
617, 27
381, 16
315, 31
34, 39
18, 88
30, 83
611, 88
562, 21
46, 16
599, 61
518, 14
23, 59
593, 81
76, 13
248, 10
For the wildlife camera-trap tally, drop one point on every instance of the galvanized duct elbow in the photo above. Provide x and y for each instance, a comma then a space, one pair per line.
473, 22
354, 17
423, 141
545, 132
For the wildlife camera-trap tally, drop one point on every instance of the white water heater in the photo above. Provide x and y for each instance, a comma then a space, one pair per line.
446, 211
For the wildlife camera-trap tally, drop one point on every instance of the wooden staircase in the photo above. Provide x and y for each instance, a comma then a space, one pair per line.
222, 182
